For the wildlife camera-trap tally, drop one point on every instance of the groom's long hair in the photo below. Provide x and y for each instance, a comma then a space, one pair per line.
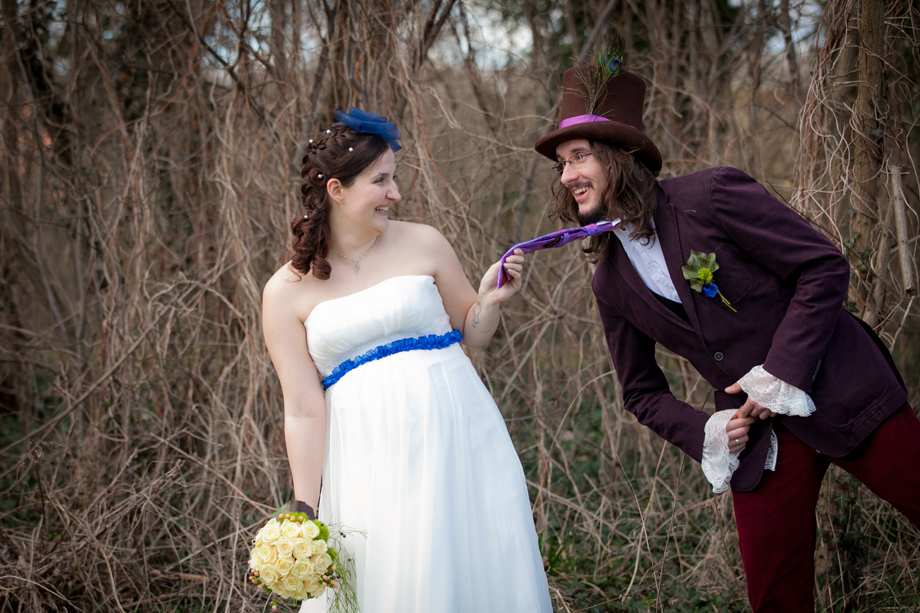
631, 194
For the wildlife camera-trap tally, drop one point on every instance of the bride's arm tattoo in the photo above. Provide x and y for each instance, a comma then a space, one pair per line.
477, 309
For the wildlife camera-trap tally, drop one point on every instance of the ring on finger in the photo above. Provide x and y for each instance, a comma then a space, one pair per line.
737, 440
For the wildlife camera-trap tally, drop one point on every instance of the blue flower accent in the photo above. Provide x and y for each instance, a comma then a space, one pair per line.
711, 290
432, 341
370, 123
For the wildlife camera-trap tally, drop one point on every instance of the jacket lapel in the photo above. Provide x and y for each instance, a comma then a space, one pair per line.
667, 231
626, 270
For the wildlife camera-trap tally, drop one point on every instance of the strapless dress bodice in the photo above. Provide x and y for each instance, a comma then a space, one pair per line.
396, 308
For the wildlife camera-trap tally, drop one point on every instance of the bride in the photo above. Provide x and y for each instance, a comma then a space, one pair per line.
409, 447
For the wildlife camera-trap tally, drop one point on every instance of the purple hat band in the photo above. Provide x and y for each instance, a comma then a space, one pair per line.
573, 121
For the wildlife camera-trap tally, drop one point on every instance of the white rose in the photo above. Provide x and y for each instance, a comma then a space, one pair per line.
321, 562
303, 548
316, 586
270, 532
267, 554
290, 529
320, 546
269, 576
284, 565
291, 584
302, 569
310, 529
284, 546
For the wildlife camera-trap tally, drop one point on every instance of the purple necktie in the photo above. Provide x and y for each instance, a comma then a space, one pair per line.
556, 239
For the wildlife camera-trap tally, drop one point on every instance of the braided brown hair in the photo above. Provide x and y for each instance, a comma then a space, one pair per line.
337, 153
631, 194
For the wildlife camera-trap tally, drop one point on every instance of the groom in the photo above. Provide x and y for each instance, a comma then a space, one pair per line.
714, 268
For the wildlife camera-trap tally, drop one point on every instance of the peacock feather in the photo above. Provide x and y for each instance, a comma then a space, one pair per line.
605, 63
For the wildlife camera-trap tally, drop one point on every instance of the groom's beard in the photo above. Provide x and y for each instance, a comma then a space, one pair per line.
598, 213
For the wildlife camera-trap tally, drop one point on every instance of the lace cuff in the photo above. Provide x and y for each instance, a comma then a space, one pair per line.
775, 394
770, 464
718, 464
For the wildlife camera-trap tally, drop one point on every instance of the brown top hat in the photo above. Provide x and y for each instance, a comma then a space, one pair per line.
615, 116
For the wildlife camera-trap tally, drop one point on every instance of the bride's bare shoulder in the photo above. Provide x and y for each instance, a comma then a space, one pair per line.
289, 288
286, 279
417, 235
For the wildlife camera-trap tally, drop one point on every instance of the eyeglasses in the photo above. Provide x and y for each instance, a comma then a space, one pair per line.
576, 160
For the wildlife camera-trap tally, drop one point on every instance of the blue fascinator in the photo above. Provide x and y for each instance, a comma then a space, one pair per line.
370, 123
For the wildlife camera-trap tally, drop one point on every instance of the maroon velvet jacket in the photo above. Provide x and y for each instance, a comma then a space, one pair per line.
787, 282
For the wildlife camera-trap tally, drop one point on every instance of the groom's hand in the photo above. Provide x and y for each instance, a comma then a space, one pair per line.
737, 429
740, 424
749, 408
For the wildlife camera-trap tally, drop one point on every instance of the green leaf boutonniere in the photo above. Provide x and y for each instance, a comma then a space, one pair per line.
699, 271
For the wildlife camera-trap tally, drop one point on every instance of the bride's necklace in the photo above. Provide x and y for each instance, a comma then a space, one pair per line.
356, 265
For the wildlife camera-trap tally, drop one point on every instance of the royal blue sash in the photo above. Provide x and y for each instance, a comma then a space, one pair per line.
432, 341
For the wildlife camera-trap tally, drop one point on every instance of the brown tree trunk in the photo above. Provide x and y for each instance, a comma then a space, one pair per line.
756, 72
867, 157
278, 26
10, 130
843, 561
792, 64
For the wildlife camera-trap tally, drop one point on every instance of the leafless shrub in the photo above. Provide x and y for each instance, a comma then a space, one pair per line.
150, 156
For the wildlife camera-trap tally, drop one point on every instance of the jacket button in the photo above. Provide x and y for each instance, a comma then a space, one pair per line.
717, 356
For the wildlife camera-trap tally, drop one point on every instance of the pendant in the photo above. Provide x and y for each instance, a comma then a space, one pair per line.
356, 267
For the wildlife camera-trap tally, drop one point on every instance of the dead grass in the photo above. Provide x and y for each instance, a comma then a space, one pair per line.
148, 183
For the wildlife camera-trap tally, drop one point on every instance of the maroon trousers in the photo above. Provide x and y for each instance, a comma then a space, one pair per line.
776, 522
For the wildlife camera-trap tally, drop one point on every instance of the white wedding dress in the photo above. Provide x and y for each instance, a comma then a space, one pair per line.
419, 458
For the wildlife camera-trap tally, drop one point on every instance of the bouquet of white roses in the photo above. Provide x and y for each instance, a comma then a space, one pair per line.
291, 558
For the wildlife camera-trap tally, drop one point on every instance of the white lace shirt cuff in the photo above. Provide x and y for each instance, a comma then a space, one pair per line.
718, 463
775, 394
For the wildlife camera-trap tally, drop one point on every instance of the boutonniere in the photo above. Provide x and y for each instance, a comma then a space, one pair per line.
699, 272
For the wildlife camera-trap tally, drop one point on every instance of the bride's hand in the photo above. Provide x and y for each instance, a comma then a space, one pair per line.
299, 506
514, 269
